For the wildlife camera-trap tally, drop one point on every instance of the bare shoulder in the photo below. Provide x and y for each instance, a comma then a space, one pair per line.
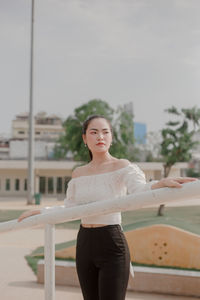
122, 163
79, 171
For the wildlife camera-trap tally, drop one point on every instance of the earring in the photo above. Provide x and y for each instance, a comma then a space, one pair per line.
85, 145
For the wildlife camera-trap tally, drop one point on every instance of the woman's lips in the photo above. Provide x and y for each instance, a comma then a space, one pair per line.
100, 144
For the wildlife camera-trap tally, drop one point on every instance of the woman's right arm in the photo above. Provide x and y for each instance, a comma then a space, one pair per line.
29, 213
68, 202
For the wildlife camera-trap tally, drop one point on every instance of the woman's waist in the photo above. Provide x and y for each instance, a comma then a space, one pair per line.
99, 227
93, 225
101, 220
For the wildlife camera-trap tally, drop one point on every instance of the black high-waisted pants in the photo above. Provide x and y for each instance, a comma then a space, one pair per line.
102, 262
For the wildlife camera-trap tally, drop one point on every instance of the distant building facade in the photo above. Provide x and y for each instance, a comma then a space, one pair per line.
4, 147
48, 129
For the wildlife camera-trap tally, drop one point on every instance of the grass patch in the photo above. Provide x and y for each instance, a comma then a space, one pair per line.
186, 218
8, 215
32, 262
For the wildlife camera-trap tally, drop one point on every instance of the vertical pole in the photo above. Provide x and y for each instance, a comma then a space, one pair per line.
49, 267
31, 119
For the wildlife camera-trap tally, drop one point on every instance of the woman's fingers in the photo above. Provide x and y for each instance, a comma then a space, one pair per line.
173, 182
20, 218
186, 179
23, 216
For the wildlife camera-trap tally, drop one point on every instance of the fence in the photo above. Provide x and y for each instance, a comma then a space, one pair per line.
125, 203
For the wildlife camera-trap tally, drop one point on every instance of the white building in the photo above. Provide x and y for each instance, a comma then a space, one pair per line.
47, 128
51, 177
4, 147
19, 149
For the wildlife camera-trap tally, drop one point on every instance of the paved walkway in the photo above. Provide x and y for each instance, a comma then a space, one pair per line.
17, 281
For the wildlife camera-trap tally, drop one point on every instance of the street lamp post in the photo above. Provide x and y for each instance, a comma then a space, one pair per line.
31, 117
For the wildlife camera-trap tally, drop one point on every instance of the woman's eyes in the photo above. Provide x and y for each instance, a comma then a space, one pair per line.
94, 132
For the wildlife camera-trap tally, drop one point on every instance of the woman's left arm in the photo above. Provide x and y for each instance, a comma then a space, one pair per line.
171, 182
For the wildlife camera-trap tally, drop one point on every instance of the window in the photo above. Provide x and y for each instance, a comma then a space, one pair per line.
16, 184
50, 185
59, 185
42, 185
7, 184
21, 132
25, 184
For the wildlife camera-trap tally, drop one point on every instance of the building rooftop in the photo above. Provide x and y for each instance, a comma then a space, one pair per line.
40, 118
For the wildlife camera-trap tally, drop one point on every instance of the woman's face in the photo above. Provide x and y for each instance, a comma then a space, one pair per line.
98, 135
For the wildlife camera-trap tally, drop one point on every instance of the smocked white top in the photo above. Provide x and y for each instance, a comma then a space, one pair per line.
91, 188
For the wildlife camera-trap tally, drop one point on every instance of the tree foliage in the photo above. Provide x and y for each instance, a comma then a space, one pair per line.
177, 138
123, 135
122, 125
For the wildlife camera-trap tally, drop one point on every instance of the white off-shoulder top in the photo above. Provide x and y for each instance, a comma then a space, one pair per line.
91, 188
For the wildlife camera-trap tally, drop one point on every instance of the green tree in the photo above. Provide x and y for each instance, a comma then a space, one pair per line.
177, 138
122, 124
123, 135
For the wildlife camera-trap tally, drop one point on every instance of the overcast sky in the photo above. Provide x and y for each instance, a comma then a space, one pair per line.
141, 51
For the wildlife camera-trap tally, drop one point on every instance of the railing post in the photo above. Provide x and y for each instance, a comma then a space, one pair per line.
49, 268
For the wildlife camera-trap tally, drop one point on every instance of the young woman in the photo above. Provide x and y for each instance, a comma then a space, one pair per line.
102, 254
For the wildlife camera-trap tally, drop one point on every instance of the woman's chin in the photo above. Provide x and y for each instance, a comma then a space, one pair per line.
100, 150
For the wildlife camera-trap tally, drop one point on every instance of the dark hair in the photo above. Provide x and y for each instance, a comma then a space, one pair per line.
87, 122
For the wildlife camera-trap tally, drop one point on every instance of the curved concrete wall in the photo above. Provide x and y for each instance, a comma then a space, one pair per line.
164, 245
160, 245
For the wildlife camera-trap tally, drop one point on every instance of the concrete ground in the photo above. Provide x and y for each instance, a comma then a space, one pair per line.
17, 281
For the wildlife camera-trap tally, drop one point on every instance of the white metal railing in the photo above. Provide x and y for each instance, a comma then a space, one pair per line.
125, 203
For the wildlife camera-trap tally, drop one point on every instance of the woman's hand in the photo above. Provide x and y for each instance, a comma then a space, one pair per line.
27, 214
172, 182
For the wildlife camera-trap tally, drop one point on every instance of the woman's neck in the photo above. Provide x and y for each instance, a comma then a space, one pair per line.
100, 158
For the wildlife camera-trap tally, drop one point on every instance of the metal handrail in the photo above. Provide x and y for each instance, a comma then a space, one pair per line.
63, 214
